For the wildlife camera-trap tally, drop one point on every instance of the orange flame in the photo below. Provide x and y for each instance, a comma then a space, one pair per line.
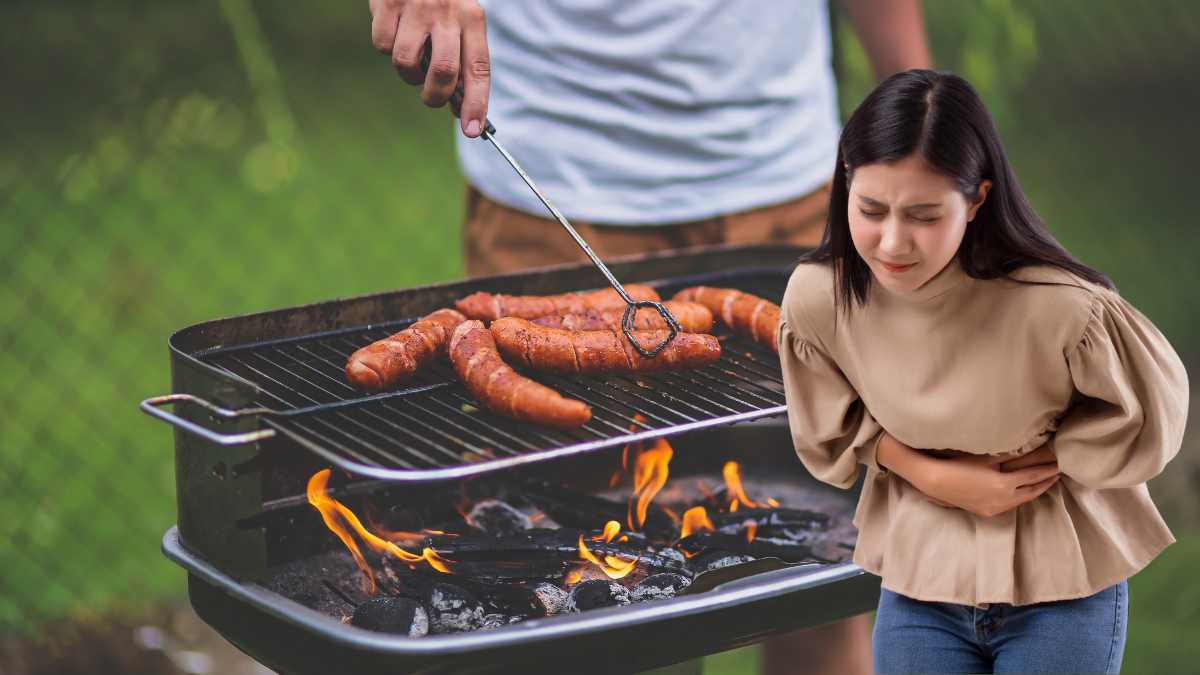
612, 566
649, 475
751, 528
695, 519
733, 485
573, 577
332, 511
611, 529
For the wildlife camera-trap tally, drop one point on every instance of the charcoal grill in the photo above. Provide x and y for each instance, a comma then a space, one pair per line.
262, 403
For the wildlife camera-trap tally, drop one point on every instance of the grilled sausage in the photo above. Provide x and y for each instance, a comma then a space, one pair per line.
592, 352
746, 314
692, 318
395, 358
489, 307
502, 390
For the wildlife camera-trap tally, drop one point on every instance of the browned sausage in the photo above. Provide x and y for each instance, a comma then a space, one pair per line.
501, 389
593, 352
746, 314
692, 318
489, 307
392, 359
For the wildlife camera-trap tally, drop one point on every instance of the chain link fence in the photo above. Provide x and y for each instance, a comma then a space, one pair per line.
163, 164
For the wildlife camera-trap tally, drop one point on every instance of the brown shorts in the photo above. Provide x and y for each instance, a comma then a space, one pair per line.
499, 239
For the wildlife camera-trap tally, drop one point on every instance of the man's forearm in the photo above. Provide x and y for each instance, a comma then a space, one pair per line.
892, 33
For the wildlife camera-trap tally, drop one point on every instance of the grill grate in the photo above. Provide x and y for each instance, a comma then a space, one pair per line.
432, 429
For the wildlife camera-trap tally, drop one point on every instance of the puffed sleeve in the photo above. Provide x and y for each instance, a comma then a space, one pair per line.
1132, 390
830, 426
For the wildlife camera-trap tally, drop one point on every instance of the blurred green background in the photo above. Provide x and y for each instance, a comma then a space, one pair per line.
167, 163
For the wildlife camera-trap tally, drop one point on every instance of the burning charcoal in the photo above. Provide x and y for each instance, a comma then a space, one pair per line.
392, 615
497, 518
596, 593
540, 550
659, 586
552, 598
715, 560
496, 620
453, 610
673, 554
787, 545
732, 522
572, 509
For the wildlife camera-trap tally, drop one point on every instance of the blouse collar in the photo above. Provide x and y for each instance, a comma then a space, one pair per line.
950, 276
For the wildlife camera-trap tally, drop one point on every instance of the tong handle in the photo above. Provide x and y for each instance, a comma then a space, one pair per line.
153, 407
631, 306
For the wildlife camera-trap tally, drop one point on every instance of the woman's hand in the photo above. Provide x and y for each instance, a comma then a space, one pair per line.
986, 485
458, 34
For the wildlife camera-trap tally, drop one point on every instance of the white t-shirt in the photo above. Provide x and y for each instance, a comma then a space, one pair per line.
650, 112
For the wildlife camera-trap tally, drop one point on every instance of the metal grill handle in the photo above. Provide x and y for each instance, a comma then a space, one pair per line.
631, 306
152, 407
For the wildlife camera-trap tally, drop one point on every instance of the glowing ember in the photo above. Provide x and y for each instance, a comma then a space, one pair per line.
649, 475
336, 516
612, 566
573, 577
751, 528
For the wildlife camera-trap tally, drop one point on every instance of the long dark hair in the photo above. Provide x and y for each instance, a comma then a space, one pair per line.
939, 115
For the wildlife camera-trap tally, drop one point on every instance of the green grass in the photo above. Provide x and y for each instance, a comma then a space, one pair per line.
157, 172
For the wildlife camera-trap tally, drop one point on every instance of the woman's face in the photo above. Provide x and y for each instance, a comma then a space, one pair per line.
907, 220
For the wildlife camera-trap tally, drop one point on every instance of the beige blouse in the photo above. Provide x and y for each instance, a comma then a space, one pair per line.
997, 367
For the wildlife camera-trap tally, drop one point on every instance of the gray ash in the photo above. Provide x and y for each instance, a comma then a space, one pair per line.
659, 586
551, 597
596, 593
497, 518
401, 616
453, 609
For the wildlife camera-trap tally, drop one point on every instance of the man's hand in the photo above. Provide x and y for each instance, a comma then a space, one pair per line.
976, 483
458, 34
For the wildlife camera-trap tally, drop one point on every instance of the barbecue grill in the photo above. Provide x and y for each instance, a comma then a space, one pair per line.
261, 403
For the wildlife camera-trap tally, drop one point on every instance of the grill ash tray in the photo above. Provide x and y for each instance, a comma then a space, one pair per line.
432, 429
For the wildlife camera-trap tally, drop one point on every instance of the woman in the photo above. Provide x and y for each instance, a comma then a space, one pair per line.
1009, 405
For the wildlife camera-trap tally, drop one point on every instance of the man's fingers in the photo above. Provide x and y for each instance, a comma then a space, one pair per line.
409, 46
476, 71
442, 77
385, 17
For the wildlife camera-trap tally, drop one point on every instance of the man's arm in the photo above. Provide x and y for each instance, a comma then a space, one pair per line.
892, 33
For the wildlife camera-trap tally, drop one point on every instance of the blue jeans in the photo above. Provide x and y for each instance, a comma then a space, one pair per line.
1086, 635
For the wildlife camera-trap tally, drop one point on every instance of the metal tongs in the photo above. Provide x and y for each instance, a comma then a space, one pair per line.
631, 305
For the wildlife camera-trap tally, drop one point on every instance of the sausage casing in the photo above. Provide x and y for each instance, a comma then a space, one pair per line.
490, 306
596, 352
504, 391
396, 357
692, 317
743, 313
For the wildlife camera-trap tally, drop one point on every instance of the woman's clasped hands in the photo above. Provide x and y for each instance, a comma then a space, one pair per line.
985, 485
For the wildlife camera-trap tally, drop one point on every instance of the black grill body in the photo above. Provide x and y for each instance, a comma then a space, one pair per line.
242, 511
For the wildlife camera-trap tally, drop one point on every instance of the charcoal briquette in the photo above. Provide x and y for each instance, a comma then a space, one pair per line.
497, 518
453, 609
596, 593
392, 615
659, 586
551, 597
716, 559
